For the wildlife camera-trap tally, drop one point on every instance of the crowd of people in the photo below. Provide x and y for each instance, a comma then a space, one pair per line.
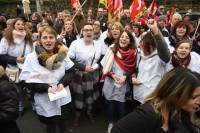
147, 68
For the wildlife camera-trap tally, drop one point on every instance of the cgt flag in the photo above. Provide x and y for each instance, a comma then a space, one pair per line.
118, 7
137, 8
152, 9
110, 9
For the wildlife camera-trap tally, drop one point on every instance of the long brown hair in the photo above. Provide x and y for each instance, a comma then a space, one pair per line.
131, 45
9, 35
148, 43
173, 91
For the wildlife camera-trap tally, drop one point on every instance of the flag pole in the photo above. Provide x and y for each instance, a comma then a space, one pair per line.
196, 29
98, 5
78, 10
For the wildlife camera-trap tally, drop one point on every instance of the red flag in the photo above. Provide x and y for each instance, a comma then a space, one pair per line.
110, 5
137, 8
117, 6
153, 8
171, 14
167, 16
110, 9
75, 3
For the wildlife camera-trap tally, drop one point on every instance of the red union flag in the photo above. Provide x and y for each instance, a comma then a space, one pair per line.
137, 8
152, 8
110, 5
110, 9
75, 3
117, 6
171, 14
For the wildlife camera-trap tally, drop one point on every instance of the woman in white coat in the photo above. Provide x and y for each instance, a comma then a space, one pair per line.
14, 47
46, 71
151, 64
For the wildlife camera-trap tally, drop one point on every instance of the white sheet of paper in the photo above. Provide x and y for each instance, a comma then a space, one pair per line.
60, 94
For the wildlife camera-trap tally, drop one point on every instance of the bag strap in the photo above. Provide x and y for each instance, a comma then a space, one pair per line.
93, 55
137, 66
24, 49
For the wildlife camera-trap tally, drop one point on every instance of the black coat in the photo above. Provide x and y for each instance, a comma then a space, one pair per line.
69, 39
8, 107
145, 120
196, 48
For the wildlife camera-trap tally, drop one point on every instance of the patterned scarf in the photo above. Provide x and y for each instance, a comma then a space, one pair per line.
177, 62
126, 60
51, 60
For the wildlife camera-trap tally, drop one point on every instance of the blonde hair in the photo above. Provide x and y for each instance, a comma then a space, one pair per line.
118, 25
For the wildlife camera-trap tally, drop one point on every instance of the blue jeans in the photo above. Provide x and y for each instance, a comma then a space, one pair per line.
116, 110
20, 92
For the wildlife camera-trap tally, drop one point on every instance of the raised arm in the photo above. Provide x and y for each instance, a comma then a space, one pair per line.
162, 48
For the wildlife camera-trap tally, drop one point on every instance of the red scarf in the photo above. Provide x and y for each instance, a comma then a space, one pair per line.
177, 62
127, 61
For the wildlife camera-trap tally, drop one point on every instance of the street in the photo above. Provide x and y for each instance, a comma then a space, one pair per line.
29, 123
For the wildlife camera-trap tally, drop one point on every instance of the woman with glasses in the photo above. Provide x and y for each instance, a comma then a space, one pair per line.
85, 53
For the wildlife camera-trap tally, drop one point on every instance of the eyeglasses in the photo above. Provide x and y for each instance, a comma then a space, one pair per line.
87, 30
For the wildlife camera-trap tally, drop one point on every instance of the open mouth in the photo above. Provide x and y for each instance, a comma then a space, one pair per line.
68, 28
115, 34
183, 54
89, 36
21, 29
197, 108
181, 32
48, 45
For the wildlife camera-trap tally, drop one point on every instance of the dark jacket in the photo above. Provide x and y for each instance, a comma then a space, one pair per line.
145, 120
103, 23
70, 38
8, 106
173, 40
196, 47
6, 59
